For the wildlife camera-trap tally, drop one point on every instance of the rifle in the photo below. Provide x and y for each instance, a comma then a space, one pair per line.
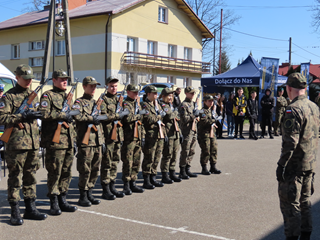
95, 112
156, 107
136, 110
23, 108
65, 109
119, 108
215, 117
196, 103
176, 126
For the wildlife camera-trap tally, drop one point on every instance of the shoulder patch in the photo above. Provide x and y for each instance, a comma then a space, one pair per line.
125, 103
163, 105
203, 115
76, 106
288, 111
2, 105
165, 109
44, 104
3, 96
45, 95
77, 101
288, 123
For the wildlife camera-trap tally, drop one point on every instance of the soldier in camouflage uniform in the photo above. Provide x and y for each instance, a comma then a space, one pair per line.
111, 158
298, 159
153, 147
188, 114
280, 109
170, 150
22, 147
207, 143
59, 156
89, 155
131, 149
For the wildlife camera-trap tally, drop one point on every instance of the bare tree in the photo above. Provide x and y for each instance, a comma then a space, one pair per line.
36, 5
316, 15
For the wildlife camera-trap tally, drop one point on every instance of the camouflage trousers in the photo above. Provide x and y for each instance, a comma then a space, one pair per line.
58, 164
277, 122
209, 150
22, 166
152, 152
109, 162
294, 194
188, 149
130, 156
169, 155
88, 162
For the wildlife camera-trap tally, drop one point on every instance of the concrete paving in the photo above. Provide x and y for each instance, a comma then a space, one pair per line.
241, 203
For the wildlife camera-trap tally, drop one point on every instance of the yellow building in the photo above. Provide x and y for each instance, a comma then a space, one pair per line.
133, 40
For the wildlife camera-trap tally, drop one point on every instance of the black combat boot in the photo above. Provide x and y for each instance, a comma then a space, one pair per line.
154, 181
15, 218
83, 200
183, 174
107, 194
190, 174
146, 183
292, 238
305, 235
134, 188
205, 170
213, 169
91, 198
54, 206
165, 178
64, 205
114, 190
31, 211
126, 188
173, 176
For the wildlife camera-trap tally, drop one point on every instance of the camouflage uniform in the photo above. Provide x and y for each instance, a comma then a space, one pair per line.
280, 109
298, 161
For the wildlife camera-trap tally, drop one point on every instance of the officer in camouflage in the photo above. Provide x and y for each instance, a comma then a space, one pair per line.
298, 159
59, 156
281, 105
89, 155
131, 149
22, 147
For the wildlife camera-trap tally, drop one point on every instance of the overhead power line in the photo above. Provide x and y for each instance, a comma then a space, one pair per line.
256, 35
306, 50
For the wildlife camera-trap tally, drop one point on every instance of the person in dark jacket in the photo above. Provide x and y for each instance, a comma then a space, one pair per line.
230, 116
221, 112
252, 109
176, 99
267, 104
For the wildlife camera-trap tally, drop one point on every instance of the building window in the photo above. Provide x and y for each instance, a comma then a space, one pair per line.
163, 15
187, 53
15, 51
37, 75
186, 82
130, 78
60, 47
152, 48
36, 45
150, 78
172, 51
36, 62
171, 79
131, 44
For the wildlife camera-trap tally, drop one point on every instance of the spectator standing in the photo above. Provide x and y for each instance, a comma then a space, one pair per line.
220, 112
239, 111
267, 104
252, 109
230, 115
176, 99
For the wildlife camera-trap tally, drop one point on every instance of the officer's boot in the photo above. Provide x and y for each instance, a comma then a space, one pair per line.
91, 198
190, 174
107, 194
165, 178
15, 218
205, 170
213, 169
183, 174
126, 188
31, 211
54, 206
305, 235
146, 183
83, 200
135, 188
64, 205
173, 176
114, 190
154, 181
292, 238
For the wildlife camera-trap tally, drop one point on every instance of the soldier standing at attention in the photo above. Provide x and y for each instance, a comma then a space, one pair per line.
111, 158
22, 147
89, 155
188, 114
59, 155
207, 138
154, 143
280, 109
297, 162
134, 139
169, 156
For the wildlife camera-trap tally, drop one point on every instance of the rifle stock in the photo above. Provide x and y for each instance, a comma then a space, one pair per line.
6, 134
212, 131
56, 137
160, 129
114, 132
176, 125
86, 136
194, 124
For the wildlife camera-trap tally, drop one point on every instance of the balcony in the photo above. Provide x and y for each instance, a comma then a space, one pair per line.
161, 62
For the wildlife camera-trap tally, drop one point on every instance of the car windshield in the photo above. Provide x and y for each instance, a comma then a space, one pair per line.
6, 83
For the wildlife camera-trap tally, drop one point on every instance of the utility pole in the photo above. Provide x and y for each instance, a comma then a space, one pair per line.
214, 52
220, 42
290, 51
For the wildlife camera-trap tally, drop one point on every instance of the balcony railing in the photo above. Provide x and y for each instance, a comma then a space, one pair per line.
161, 62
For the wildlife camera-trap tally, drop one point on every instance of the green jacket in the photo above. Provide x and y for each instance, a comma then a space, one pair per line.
281, 105
205, 123
168, 120
186, 116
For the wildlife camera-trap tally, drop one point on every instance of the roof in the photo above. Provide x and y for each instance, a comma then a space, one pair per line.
97, 7
314, 69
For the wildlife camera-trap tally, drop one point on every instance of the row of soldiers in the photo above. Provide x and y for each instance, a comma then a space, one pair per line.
104, 132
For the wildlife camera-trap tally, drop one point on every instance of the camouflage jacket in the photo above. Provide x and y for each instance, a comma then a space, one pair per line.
51, 103
20, 139
169, 120
281, 105
205, 123
85, 105
129, 121
186, 116
109, 107
300, 136
151, 119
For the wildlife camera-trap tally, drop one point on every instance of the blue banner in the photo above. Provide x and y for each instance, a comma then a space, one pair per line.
305, 68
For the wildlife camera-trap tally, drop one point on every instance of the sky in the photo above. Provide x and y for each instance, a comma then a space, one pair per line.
260, 22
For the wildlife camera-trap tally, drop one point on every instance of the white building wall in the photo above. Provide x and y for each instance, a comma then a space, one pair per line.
180, 52
162, 49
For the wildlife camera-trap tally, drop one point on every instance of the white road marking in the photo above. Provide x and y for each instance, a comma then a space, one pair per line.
182, 229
